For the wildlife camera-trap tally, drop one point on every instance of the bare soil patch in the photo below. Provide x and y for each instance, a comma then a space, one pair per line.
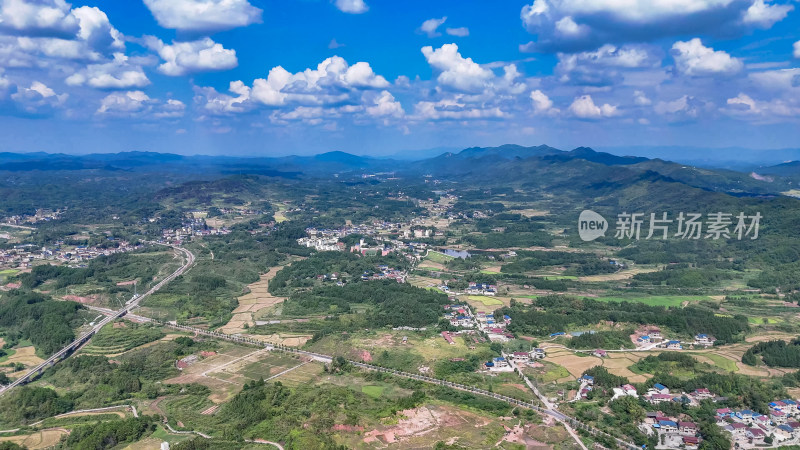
253, 302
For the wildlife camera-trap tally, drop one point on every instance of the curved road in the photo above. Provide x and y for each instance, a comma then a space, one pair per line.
129, 305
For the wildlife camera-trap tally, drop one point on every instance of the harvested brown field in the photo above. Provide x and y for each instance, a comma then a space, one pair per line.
616, 362
426, 264
621, 275
258, 299
39, 440
567, 359
25, 355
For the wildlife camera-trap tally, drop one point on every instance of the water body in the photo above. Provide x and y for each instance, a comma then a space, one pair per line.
463, 254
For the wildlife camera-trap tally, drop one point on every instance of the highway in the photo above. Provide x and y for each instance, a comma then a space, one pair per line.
129, 305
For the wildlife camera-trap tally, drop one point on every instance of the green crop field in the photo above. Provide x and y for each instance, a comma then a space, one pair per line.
487, 301
373, 391
437, 257
656, 300
722, 362
113, 340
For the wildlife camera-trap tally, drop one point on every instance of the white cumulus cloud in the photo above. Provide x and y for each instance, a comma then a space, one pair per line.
584, 107
97, 31
182, 58
431, 26
541, 102
455, 109
640, 98
575, 25
38, 18
352, 6
203, 15
459, 32
694, 59
764, 15
456, 71
797, 49
117, 74
38, 99
333, 82
385, 105
744, 106
137, 104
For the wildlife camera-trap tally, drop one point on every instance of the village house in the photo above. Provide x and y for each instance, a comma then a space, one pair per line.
783, 433
691, 442
668, 426
674, 345
448, 338
658, 398
600, 353
655, 334
704, 340
660, 388
537, 353
702, 394
499, 364
521, 356
627, 389
688, 428
737, 429
778, 417
756, 435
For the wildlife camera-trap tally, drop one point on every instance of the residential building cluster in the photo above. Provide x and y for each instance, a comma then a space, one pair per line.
24, 255
481, 289
322, 244
673, 432
41, 215
781, 425
653, 338
386, 273
189, 228
660, 394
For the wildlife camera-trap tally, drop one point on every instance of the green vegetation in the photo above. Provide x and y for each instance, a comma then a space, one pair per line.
103, 271
578, 264
391, 301
373, 391
122, 336
210, 290
602, 339
774, 354
552, 314
301, 418
28, 404
46, 323
654, 300
348, 266
106, 435
87, 381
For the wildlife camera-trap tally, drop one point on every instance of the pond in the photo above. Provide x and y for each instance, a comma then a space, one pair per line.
463, 254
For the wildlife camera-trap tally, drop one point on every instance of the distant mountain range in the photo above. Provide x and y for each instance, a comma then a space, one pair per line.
506, 164
735, 158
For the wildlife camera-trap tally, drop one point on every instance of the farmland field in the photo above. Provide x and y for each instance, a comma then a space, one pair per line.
657, 300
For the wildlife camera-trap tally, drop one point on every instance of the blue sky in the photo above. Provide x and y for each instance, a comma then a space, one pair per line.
257, 77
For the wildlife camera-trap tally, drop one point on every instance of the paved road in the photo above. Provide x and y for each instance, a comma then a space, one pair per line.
74, 345
550, 407
21, 227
